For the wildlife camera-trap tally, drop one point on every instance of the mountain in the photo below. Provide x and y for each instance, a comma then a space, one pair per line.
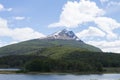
64, 34
59, 42
62, 51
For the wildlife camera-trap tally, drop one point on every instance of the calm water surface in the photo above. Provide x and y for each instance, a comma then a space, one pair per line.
58, 77
9, 69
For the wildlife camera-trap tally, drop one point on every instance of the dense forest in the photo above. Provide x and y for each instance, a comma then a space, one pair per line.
75, 61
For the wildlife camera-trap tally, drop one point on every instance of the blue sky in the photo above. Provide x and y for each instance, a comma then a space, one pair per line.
96, 22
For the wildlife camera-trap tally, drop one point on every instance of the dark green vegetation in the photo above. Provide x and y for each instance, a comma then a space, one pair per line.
51, 65
75, 61
112, 70
17, 61
56, 56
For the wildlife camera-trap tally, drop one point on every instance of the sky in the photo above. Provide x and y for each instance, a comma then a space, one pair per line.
96, 22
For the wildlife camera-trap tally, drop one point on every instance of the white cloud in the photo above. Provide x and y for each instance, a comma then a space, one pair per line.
106, 46
4, 30
18, 34
3, 43
108, 25
91, 32
9, 9
113, 7
19, 18
3, 23
113, 3
104, 1
25, 34
2, 8
76, 13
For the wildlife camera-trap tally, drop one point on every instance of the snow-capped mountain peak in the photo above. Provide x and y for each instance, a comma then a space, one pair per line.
63, 34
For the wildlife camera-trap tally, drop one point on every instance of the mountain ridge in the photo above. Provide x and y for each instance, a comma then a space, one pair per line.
63, 34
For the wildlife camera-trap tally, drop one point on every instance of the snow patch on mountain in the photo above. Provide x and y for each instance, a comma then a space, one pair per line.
63, 34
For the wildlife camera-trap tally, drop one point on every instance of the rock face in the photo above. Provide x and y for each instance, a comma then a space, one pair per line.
63, 34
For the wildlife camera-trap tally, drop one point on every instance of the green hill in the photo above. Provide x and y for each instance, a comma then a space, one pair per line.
50, 55
33, 46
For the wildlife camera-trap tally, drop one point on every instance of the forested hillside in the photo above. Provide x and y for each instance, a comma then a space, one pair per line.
72, 61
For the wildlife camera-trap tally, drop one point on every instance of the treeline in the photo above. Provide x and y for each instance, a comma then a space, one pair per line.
51, 65
74, 61
46, 64
104, 59
17, 61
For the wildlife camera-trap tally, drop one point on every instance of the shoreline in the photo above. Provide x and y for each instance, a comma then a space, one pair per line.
58, 73
110, 70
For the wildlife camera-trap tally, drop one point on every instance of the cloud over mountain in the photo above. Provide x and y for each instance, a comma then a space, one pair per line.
77, 13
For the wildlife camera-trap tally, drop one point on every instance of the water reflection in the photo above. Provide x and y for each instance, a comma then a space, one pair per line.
9, 69
58, 77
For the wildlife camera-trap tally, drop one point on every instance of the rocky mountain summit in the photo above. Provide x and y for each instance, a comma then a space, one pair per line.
64, 35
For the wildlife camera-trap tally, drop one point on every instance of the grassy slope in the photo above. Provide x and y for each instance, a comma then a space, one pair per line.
58, 51
32, 46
